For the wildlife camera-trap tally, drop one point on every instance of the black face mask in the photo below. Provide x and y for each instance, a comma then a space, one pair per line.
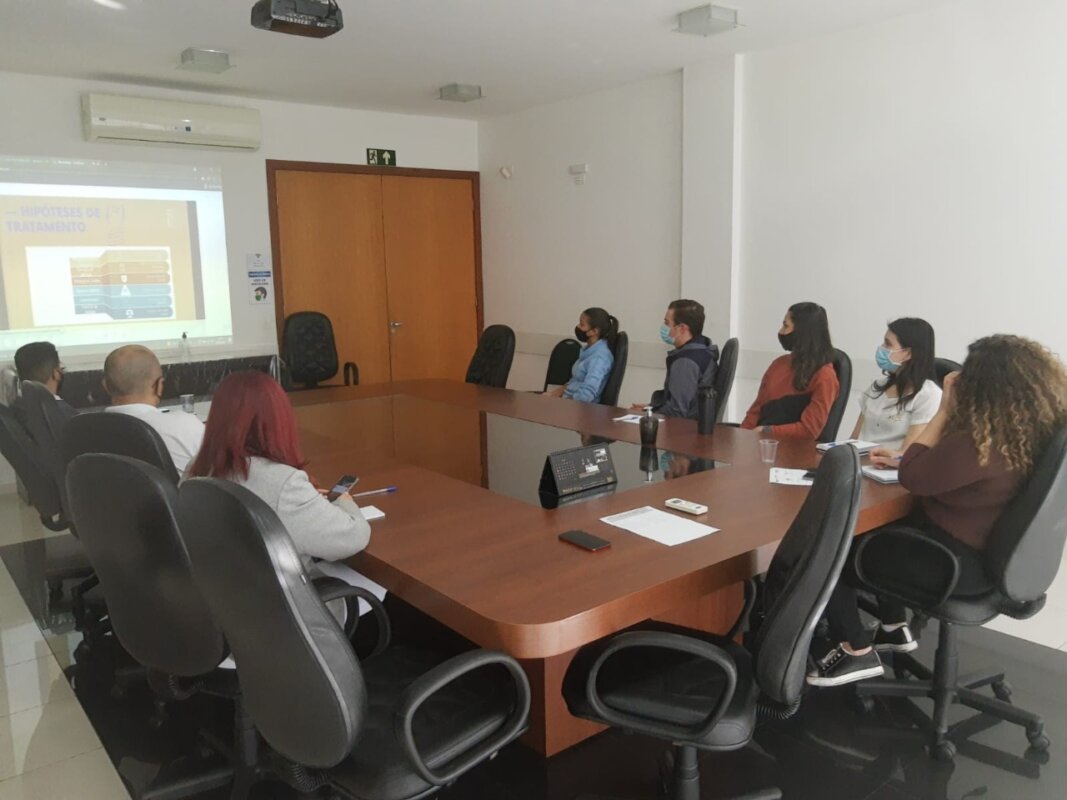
786, 340
580, 335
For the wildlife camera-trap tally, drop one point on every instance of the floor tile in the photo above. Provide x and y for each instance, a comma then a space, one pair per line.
44, 735
7, 585
19, 522
1046, 627
90, 776
32, 683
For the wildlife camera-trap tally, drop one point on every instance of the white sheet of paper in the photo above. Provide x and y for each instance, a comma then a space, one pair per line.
790, 477
859, 444
882, 475
659, 526
372, 512
345, 573
635, 419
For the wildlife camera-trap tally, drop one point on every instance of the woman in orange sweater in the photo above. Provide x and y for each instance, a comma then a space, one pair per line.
798, 388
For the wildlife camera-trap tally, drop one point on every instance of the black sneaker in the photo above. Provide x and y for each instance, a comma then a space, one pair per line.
838, 667
895, 641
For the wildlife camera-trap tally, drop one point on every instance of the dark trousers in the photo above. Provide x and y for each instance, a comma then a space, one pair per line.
842, 612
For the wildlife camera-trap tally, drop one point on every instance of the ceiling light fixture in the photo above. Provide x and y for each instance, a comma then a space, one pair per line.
707, 20
195, 59
113, 5
461, 92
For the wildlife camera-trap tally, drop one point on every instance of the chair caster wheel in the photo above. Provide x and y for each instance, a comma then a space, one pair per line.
943, 751
1035, 734
1002, 691
863, 704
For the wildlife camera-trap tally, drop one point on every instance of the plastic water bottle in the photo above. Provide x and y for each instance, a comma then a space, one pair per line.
185, 353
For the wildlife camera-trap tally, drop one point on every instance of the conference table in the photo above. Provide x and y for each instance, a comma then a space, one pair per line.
466, 540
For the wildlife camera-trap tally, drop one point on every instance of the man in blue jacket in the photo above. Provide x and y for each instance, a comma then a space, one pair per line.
691, 365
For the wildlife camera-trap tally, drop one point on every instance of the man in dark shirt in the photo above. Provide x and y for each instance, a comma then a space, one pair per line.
39, 362
691, 365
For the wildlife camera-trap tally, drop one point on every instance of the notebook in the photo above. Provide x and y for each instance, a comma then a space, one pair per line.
881, 475
859, 444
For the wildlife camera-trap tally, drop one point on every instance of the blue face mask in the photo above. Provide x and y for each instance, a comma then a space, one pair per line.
884, 361
665, 334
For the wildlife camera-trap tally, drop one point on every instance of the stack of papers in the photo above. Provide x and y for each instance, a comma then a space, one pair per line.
659, 526
790, 477
859, 444
372, 512
882, 475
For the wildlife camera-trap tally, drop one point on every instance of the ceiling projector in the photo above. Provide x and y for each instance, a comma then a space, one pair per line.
318, 18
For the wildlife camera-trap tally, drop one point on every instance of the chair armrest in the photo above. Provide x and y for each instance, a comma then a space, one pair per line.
907, 546
336, 589
350, 367
666, 641
436, 679
741, 623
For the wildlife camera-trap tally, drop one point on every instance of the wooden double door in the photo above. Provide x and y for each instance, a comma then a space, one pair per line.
391, 256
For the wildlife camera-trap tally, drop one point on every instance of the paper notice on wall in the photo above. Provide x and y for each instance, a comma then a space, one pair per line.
260, 280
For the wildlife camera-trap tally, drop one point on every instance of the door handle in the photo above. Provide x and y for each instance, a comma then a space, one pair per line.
395, 325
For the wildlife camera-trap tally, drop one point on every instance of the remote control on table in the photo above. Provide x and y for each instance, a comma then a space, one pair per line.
685, 506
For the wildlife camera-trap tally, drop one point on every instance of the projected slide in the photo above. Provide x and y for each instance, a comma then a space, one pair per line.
94, 254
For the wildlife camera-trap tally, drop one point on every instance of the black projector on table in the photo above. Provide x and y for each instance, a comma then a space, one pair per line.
318, 18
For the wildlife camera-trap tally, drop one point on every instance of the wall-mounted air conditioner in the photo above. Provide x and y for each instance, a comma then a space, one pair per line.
111, 117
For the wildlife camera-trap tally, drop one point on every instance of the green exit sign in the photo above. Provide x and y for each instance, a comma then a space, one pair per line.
381, 158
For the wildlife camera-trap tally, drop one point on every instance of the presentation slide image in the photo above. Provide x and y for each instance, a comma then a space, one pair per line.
86, 285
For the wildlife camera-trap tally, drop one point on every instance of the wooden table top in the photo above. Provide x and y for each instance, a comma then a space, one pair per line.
491, 567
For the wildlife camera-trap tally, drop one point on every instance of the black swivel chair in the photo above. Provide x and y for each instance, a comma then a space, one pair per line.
561, 362
392, 726
701, 691
843, 367
724, 376
117, 435
127, 520
310, 351
942, 367
610, 395
491, 363
36, 474
1021, 559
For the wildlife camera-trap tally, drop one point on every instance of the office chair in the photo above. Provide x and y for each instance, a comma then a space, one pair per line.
561, 362
9, 386
843, 367
942, 367
35, 473
1021, 560
127, 519
117, 435
309, 348
610, 395
491, 363
700, 691
397, 724
724, 376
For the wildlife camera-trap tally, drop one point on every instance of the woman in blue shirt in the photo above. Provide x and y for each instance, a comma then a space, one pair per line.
597, 330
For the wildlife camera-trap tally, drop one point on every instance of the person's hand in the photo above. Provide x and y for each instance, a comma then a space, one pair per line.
557, 392
885, 457
638, 408
948, 393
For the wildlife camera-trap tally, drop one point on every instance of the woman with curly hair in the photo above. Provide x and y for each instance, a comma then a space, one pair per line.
996, 417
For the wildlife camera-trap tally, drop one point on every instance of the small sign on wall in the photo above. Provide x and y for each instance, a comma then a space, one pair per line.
380, 158
260, 280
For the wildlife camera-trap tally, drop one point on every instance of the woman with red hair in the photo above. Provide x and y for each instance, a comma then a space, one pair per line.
251, 440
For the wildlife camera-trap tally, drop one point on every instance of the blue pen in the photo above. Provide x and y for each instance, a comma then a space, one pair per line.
386, 490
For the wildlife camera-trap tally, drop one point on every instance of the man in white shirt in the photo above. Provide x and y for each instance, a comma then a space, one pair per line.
134, 379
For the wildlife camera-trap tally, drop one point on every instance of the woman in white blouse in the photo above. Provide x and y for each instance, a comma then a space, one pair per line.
896, 409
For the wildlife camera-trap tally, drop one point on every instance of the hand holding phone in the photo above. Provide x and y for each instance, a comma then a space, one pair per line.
343, 486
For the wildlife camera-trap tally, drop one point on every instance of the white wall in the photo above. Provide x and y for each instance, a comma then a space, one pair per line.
551, 248
41, 116
916, 167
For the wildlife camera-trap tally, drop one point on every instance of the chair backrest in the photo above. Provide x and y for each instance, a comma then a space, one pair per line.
45, 418
610, 395
22, 453
127, 517
724, 376
942, 367
300, 680
308, 347
491, 363
843, 367
9, 386
561, 362
1024, 550
118, 435
803, 573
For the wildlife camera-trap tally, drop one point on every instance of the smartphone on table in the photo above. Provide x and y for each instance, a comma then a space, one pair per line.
343, 486
585, 540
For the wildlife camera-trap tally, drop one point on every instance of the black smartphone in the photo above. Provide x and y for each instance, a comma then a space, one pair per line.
584, 540
344, 483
